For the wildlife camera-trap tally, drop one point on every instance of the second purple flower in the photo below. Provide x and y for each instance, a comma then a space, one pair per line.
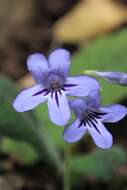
90, 116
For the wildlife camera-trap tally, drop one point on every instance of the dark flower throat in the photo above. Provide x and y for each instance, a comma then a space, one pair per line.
91, 118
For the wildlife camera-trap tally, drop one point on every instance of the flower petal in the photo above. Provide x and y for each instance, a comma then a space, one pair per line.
59, 111
59, 61
93, 99
78, 105
74, 133
26, 101
113, 76
114, 113
38, 66
80, 85
101, 137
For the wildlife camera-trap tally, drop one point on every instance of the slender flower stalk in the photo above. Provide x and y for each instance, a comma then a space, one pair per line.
67, 169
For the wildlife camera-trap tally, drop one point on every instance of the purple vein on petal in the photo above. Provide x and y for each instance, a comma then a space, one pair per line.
87, 121
82, 122
94, 125
94, 115
62, 88
99, 113
90, 122
60, 92
70, 85
46, 93
40, 92
56, 97
92, 118
51, 94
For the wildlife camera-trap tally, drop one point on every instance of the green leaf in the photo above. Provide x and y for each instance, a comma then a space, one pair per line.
101, 164
21, 151
105, 54
24, 126
53, 132
20, 126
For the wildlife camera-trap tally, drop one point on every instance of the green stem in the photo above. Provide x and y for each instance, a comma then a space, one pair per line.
67, 169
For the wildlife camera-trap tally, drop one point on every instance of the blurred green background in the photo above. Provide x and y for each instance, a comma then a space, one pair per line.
31, 147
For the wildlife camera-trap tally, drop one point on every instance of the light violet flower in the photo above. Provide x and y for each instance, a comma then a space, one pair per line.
53, 85
111, 76
90, 118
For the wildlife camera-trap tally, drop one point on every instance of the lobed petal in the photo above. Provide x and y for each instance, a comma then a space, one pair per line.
59, 61
93, 99
80, 85
114, 113
38, 66
25, 100
78, 105
101, 137
58, 107
74, 133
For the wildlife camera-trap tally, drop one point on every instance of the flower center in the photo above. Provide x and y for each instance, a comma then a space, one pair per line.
91, 118
55, 85
54, 82
85, 115
91, 115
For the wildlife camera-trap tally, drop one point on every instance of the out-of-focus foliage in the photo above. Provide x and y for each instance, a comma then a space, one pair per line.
102, 164
23, 127
20, 151
89, 19
105, 54
52, 131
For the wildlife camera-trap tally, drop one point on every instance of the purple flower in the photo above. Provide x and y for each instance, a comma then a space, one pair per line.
113, 77
90, 118
53, 85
